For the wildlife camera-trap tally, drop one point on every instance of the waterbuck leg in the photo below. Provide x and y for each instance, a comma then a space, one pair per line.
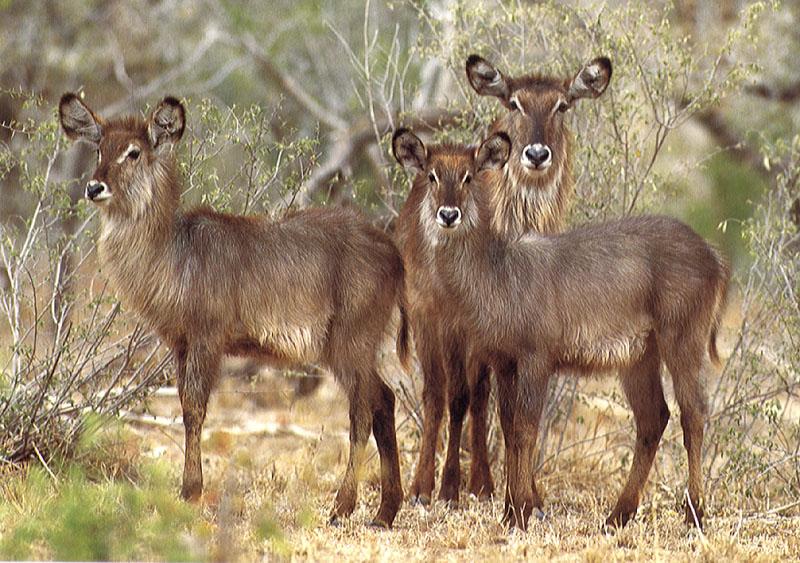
198, 365
480, 475
458, 399
506, 375
684, 362
642, 386
383, 428
429, 352
360, 422
530, 398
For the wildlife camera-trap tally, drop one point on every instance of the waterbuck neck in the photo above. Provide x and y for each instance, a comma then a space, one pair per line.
523, 202
474, 270
139, 251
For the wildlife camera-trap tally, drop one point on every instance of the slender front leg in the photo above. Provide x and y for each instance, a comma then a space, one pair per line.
530, 398
480, 475
458, 397
198, 365
506, 376
429, 352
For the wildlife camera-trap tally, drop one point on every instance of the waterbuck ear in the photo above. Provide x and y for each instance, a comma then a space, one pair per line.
409, 150
485, 79
493, 152
591, 81
166, 124
78, 121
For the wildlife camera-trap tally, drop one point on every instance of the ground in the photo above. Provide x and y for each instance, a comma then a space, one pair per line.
272, 462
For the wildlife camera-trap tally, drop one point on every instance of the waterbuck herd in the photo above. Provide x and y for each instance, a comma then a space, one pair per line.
479, 272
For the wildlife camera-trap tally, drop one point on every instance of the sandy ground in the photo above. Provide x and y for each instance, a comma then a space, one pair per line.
270, 459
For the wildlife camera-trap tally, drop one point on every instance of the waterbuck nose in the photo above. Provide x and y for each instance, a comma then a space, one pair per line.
448, 216
95, 189
538, 155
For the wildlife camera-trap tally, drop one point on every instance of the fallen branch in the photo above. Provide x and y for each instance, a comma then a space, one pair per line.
250, 428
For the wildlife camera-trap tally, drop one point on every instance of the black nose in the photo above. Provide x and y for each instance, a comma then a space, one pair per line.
449, 215
537, 154
94, 189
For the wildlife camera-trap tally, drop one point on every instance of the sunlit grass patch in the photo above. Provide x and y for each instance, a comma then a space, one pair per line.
67, 516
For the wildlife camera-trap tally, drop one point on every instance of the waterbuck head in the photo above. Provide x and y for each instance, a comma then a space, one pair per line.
453, 177
536, 107
135, 172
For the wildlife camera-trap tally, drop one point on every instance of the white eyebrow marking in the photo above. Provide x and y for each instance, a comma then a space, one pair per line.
125, 154
519, 105
558, 103
99, 157
435, 176
466, 175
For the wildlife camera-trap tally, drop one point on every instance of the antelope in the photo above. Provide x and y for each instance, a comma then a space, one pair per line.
319, 285
624, 295
532, 194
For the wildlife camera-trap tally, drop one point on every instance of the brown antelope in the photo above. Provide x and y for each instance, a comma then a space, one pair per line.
318, 285
532, 194
623, 295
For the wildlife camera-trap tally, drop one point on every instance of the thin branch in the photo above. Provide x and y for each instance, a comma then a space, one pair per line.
353, 141
290, 86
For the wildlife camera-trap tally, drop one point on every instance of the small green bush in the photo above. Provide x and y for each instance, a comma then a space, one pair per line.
75, 518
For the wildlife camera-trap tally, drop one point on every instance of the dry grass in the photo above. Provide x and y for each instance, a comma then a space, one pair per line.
269, 460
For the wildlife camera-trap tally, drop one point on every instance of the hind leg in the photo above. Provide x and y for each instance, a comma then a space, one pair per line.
685, 362
642, 386
429, 352
360, 422
383, 428
480, 475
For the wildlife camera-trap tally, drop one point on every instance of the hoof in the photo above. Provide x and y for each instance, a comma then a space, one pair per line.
192, 493
480, 497
694, 518
449, 504
608, 530
618, 520
419, 500
334, 521
378, 524
538, 513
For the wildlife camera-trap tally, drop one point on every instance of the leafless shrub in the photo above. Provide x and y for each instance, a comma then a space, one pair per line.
755, 429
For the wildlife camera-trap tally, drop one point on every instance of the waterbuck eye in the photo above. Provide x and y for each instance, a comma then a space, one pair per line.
432, 177
133, 154
562, 106
514, 105
467, 179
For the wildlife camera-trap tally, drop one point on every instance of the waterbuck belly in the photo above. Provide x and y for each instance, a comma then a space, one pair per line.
293, 343
607, 352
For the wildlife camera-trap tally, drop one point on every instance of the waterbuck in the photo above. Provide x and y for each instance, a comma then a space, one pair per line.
534, 191
623, 295
317, 286
531, 195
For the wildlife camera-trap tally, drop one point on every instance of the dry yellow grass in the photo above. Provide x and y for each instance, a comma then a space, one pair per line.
269, 459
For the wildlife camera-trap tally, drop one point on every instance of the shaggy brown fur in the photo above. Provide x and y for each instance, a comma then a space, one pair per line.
320, 285
623, 295
524, 200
